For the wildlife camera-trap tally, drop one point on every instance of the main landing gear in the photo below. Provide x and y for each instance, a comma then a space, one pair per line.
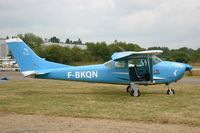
133, 90
170, 91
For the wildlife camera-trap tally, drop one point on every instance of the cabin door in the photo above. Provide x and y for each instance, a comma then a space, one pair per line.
139, 69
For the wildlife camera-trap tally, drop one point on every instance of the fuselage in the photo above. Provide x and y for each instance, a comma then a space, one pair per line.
163, 72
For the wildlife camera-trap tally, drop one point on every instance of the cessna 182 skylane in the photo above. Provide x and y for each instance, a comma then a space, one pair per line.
129, 68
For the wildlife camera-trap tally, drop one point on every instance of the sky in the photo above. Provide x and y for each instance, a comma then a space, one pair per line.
170, 23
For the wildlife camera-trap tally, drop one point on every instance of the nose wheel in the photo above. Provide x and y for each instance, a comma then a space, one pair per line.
170, 91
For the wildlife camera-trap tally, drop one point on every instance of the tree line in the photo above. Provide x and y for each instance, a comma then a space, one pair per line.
100, 52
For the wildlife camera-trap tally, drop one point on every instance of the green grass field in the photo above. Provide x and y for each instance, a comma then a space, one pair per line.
76, 99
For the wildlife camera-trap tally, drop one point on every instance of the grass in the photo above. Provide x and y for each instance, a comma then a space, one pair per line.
195, 65
195, 73
76, 99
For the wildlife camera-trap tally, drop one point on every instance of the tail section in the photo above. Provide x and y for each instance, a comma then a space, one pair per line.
27, 60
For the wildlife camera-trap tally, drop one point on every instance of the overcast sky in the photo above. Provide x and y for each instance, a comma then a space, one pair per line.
171, 23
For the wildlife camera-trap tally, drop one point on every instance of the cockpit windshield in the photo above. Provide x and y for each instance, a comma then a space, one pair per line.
155, 60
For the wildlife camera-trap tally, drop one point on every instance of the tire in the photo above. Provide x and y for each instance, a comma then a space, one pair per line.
128, 88
172, 92
132, 93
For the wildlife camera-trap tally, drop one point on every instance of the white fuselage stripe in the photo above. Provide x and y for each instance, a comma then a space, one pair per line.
120, 73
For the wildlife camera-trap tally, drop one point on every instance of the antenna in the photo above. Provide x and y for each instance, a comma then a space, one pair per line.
121, 48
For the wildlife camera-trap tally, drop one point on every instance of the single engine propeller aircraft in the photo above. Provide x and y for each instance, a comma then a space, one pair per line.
129, 68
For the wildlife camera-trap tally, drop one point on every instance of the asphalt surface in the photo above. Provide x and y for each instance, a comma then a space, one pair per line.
12, 75
190, 80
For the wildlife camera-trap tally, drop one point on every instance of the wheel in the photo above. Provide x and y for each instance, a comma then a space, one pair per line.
170, 92
128, 88
132, 93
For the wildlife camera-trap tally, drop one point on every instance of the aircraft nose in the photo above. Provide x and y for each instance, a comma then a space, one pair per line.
188, 67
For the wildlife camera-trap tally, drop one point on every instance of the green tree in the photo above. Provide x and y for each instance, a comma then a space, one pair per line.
77, 54
54, 39
165, 54
79, 41
67, 41
31, 39
123, 46
180, 56
100, 51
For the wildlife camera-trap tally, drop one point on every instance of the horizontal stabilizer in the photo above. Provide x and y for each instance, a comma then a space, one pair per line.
35, 72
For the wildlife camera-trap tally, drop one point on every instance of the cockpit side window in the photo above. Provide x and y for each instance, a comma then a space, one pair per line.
137, 62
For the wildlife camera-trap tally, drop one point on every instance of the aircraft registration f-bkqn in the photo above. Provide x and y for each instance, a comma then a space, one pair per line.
129, 68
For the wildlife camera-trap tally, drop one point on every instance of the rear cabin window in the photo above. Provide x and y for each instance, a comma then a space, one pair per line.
120, 64
108, 64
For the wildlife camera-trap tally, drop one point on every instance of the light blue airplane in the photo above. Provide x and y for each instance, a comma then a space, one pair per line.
128, 68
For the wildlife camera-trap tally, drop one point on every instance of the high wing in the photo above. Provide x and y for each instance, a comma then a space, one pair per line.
132, 54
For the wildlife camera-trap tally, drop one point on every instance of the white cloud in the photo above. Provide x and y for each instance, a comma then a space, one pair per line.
168, 23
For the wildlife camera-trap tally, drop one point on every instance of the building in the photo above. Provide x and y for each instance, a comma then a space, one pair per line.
81, 46
3, 49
